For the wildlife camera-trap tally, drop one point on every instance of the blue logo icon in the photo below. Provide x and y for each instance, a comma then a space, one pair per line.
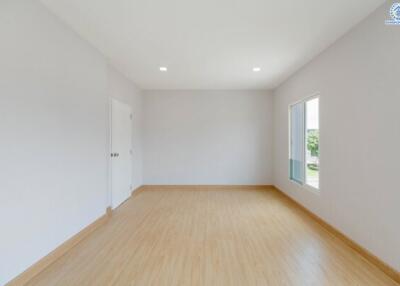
394, 14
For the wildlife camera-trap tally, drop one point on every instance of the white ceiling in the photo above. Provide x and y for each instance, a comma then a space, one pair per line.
211, 44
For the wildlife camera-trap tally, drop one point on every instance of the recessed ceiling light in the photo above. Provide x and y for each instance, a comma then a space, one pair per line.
163, 69
256, 69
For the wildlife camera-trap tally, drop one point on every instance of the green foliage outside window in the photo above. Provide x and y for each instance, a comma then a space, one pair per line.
313, 142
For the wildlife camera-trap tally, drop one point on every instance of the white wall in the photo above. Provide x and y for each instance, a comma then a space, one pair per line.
54, 127
125, 91
207, 137
358, 81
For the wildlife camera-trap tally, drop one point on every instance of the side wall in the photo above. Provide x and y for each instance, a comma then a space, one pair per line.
207, 137
54, 91
357, 79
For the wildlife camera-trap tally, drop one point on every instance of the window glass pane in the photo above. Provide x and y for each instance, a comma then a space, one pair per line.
312, 142
297, 143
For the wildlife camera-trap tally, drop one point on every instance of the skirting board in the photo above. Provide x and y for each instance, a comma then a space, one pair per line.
137, 191
368, 256
46, 261
205, 187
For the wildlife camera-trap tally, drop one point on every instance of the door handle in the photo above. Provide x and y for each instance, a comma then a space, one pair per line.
114, 154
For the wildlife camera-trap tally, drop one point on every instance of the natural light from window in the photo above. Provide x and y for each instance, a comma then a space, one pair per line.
312, 142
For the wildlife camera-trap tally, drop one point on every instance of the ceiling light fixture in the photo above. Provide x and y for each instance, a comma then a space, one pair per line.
256, 69
163, 69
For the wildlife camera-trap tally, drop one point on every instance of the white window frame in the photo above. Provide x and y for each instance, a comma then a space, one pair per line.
304, 147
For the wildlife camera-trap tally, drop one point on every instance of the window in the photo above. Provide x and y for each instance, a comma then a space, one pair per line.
304, 142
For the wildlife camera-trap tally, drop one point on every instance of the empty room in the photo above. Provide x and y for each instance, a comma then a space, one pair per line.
199, 143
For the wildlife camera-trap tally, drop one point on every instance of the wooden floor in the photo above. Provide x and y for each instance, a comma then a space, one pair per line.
211, 237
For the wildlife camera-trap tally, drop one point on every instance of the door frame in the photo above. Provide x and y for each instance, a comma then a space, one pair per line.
110, 122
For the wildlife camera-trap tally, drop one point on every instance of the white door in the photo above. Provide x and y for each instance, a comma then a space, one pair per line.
120, 152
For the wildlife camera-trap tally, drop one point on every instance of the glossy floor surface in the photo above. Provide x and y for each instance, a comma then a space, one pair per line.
211, 237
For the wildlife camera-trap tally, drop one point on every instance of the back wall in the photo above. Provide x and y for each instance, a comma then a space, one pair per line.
207, 137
